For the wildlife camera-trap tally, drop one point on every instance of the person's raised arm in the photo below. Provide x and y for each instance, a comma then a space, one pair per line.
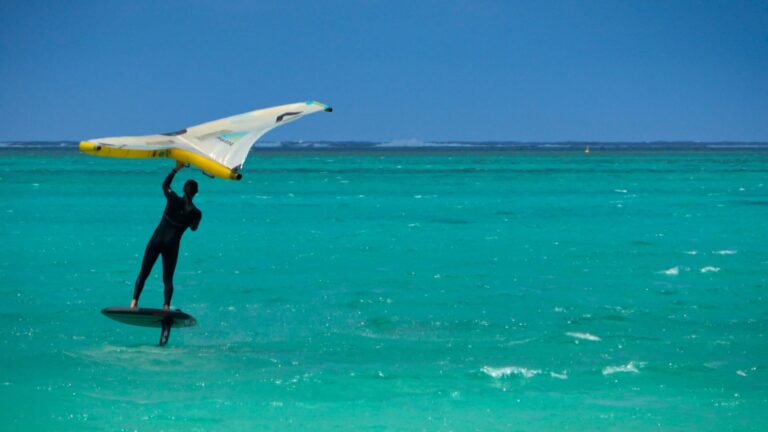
167, 183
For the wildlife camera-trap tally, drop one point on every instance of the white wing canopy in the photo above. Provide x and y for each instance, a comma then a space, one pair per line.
219, 147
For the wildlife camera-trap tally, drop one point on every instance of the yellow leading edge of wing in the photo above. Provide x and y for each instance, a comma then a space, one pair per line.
205, 164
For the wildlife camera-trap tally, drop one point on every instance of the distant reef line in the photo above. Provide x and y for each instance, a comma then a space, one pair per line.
412, 144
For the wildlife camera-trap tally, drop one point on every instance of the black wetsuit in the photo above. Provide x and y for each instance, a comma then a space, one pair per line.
179, 215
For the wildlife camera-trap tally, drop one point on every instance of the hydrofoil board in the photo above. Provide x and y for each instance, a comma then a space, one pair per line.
149, 317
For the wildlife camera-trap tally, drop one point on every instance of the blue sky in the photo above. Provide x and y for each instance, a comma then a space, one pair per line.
443, 70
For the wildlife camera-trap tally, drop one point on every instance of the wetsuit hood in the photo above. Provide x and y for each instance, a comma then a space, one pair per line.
190, 188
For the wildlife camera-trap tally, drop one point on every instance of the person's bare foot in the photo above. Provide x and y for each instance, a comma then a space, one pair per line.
166, 307
134, 304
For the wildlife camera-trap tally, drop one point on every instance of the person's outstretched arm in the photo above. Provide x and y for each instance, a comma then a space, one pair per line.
167, 182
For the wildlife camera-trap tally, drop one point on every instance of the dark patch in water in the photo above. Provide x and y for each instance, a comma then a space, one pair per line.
642, 338
752, 203
450, 221
380, 322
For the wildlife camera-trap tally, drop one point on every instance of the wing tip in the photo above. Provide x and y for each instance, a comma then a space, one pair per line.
87, 146
326, 108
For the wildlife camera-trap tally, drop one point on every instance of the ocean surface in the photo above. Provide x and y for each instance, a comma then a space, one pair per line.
450, 290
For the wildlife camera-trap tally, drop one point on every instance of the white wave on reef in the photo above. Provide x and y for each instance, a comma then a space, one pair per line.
416, 143
510, 370
631, 367
503, 372
402, 143
584, 336
674, 271
268, 144
725, 252
710, 269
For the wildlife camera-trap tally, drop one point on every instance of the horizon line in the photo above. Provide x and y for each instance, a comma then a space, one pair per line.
413, 142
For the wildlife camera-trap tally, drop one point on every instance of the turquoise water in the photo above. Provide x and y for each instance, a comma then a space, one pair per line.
624, 290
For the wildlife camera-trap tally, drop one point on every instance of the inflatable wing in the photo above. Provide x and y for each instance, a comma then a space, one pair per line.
219, 148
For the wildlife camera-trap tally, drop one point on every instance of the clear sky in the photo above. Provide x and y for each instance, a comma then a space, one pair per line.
432, 70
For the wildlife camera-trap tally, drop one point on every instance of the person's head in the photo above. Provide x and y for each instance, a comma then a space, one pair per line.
190, 188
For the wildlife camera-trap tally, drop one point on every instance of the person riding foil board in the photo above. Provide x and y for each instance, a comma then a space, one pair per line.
180, 213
